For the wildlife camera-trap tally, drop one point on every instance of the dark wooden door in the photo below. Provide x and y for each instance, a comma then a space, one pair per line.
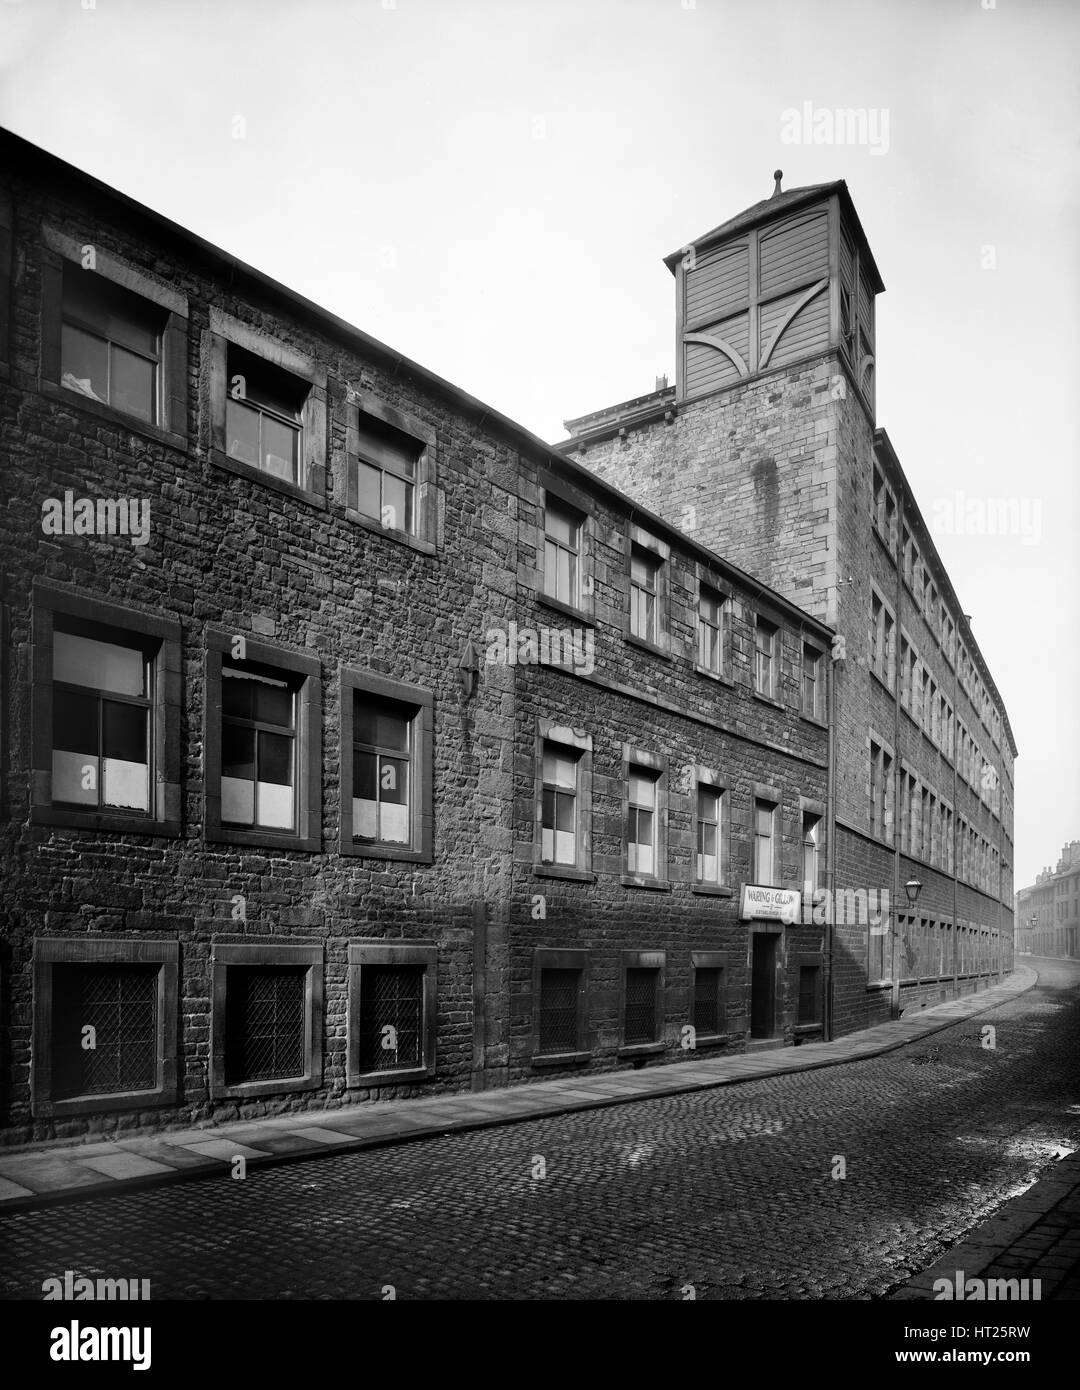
763, 986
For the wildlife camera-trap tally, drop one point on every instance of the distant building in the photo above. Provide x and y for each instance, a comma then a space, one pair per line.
1048, 913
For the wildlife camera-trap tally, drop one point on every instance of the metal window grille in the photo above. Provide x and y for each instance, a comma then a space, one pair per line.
709, 1000
120, 1004
264, 1023
640, 1022
559, 1010
391, 1017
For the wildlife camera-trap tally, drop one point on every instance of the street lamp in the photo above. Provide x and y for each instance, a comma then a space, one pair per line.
913, 888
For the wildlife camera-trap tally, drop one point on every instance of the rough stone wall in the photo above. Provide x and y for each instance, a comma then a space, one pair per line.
750, 472
229, 552
644, 699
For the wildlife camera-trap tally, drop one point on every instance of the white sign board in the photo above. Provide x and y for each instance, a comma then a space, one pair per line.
763, 904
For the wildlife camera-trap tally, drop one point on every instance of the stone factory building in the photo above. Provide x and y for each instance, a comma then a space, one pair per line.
355, 742
767, 450
1048, 913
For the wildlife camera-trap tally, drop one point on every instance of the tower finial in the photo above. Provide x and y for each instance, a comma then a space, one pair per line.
778, 174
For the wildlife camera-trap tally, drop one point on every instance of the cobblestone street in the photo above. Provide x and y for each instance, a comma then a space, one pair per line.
733, 1192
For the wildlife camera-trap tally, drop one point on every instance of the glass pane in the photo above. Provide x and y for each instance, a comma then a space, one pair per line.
125, 770
547, 846
647, 611
712, 649
365, 776
644, 828
132, 384
380, 726
709, 608
124, 732
237, 800
547, 812
237, 694
273, 704
98, 665
708, 868
393, 780
394, 800
75, 778
708, 804
551, 568
707, 838
642, 790
645, 859
365, 818
565, 848
642, 572
279, 448
764, 820
560, 771
237, 752
84, 363
369, 490
564, 812
241, 432
275, 805
396, 503
567, 572
75, 722
275, 759
560, 528
266, 385
125, 784
394, 824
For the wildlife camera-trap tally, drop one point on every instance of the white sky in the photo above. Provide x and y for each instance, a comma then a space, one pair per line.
489, 187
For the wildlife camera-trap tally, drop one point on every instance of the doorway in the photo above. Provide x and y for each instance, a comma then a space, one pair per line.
763, 984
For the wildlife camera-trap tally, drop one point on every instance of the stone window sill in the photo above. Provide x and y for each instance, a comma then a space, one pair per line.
564, 871
641, 1049
559, 1059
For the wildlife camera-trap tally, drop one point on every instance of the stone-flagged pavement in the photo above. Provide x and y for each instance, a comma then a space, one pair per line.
32, 1176
1036, 1236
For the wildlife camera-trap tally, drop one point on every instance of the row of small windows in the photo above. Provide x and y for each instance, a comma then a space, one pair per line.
928, 601
266, 1024
565, 812
928, 705
561, 1000
114, 349
267, 1015
106, 719
922, 948
926, 827
564, 546
106, 740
